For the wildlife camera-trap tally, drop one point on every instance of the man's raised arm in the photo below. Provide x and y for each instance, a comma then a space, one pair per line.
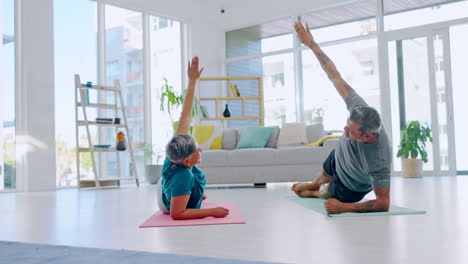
304, 35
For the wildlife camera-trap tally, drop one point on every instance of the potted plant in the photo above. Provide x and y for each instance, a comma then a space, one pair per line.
412, 146
154, 156
170, 101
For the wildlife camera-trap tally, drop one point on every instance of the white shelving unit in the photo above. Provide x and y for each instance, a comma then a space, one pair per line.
221, 100
98, 181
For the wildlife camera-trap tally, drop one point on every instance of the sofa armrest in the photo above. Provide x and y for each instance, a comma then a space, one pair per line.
330, 144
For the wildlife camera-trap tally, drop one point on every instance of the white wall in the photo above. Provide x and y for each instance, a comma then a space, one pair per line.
208, 25
35, 128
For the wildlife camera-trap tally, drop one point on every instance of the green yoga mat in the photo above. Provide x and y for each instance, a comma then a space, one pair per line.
317, 204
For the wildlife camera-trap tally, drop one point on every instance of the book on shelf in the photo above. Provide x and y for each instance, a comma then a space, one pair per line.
234, 90
104, 119
204, 112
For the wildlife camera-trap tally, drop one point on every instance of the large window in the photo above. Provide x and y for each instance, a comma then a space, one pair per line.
124, 62
279, 90
78, 17
165, 63
432, 14
7, 94
358, 64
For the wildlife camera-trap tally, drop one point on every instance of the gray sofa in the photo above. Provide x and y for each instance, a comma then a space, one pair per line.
269, 164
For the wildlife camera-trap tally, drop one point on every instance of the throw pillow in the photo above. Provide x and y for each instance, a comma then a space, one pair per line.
292, 134
208, 136
273, 140
230, 138
315, 132
254, 137
320, 141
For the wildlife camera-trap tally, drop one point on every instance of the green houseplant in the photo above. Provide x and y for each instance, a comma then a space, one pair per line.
170, 101
412, 147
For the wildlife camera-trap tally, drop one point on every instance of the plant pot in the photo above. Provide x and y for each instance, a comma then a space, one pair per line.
412, 168
153, 173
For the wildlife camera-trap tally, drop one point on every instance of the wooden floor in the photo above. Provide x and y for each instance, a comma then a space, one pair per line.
277, 229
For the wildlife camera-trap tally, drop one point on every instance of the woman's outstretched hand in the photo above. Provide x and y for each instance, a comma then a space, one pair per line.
193, 72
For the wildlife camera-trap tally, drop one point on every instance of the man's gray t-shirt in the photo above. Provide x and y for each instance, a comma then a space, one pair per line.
363, 166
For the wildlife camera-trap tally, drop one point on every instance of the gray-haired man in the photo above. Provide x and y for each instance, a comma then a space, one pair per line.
362, 159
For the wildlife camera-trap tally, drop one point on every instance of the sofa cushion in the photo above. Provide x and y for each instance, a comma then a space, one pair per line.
208, 136
214, 158
230, 138
292, 134
315, 132
254, 137
273, 140
300, 155
252, 157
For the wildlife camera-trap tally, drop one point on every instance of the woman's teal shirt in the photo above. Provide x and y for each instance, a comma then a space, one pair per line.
179, 180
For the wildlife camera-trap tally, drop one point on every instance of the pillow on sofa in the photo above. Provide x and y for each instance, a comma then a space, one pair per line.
292, 134
273, 140
208, 136
254, 137
230, 138
315, 132
320, 141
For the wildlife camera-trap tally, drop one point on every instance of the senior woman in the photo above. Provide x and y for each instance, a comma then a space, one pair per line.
183, 183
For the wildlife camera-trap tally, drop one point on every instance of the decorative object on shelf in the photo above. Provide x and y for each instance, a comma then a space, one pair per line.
117, 121
204, 112
89, 84
121, 141
234, 90
413, 143
226, 112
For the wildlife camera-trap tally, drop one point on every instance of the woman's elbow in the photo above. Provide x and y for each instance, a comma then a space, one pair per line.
177, 215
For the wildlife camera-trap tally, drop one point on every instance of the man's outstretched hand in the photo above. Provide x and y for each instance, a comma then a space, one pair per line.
303, 34
193, 72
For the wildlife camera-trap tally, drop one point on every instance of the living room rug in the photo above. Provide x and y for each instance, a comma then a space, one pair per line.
26, 253
160, 219
317, 205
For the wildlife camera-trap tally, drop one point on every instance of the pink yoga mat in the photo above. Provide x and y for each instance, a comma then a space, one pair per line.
234, 217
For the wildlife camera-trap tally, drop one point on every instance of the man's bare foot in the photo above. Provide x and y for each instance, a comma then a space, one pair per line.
313, 194
301, 186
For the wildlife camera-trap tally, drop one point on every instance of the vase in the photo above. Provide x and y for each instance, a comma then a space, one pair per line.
226, 112
121, 141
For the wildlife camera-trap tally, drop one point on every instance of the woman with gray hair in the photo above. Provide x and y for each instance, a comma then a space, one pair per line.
182, 182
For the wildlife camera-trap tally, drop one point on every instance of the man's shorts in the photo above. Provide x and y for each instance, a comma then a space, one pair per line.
336, 187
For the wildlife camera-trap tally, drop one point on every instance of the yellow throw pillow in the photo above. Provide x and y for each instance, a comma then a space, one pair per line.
320, 141
208, 136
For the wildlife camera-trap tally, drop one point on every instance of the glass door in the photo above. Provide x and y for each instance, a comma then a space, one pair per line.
418, 82
459, 68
